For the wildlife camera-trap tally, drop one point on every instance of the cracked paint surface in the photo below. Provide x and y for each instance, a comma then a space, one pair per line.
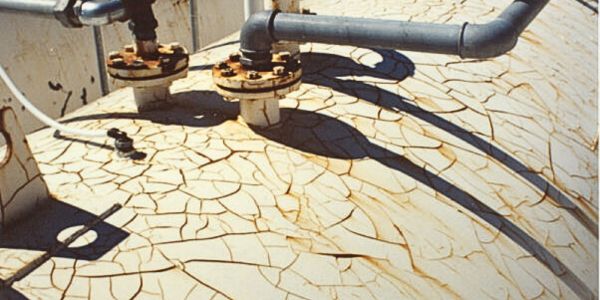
394, 175
22, 188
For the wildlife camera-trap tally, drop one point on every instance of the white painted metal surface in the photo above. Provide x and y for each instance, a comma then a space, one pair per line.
395, 175
22, 187
56, 67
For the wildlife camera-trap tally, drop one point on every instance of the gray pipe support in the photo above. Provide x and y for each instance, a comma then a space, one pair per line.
468, 40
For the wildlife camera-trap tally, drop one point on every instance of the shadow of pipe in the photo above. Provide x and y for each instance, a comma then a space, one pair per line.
193, 109
589, 6
58, 135
325, 136
323, 69
205, 109
9, 293
40, 230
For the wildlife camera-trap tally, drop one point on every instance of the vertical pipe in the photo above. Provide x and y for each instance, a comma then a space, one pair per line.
194, 24
251, 7
101, 60
285, 6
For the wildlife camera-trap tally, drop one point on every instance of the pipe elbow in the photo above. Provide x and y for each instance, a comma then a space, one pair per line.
488, 40
256, 38
101, 12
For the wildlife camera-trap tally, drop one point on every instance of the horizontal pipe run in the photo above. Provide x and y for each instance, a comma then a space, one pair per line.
36, 7
370, 33
467, 40
71, 14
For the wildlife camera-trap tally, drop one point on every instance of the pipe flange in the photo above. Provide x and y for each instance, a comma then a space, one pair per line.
128, 68
234, 81
150, 75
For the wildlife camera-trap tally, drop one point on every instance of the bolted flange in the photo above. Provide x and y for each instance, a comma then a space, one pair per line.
259, 91
150, 77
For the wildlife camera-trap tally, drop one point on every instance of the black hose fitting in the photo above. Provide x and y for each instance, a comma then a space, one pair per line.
143, 23
123, 143
256, 39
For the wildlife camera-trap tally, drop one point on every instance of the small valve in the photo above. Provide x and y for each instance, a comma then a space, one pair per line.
124, 144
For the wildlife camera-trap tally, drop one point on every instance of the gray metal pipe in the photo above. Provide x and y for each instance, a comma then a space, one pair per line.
467, 40
70, 13
251, 7
36, 7
101, 12
374, 33
194, 25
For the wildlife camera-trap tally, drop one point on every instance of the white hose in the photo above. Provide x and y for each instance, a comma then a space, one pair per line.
43, 117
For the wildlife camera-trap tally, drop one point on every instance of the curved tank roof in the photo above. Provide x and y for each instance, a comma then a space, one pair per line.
393, 175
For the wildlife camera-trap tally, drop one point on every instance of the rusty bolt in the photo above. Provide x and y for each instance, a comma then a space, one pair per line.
227, 72
165, 60
234, 57
138, 63
118, 62
306, 11
279, 70
129, 48
114, 54
285, 55
253, 75
223, 65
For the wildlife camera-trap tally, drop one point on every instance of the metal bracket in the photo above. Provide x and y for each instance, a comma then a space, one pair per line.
63, 11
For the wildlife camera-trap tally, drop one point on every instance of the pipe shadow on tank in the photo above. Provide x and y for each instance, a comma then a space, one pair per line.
193, 109
318, 134
39, 232
324, 69
206, 109
9, 293
326, 136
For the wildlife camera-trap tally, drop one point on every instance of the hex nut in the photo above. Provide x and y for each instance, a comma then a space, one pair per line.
138, 63
165, 60
227, 72
235, 57
114, 54
306, 11
285, 55
279, 70
223, 65
118, 62
253, 75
